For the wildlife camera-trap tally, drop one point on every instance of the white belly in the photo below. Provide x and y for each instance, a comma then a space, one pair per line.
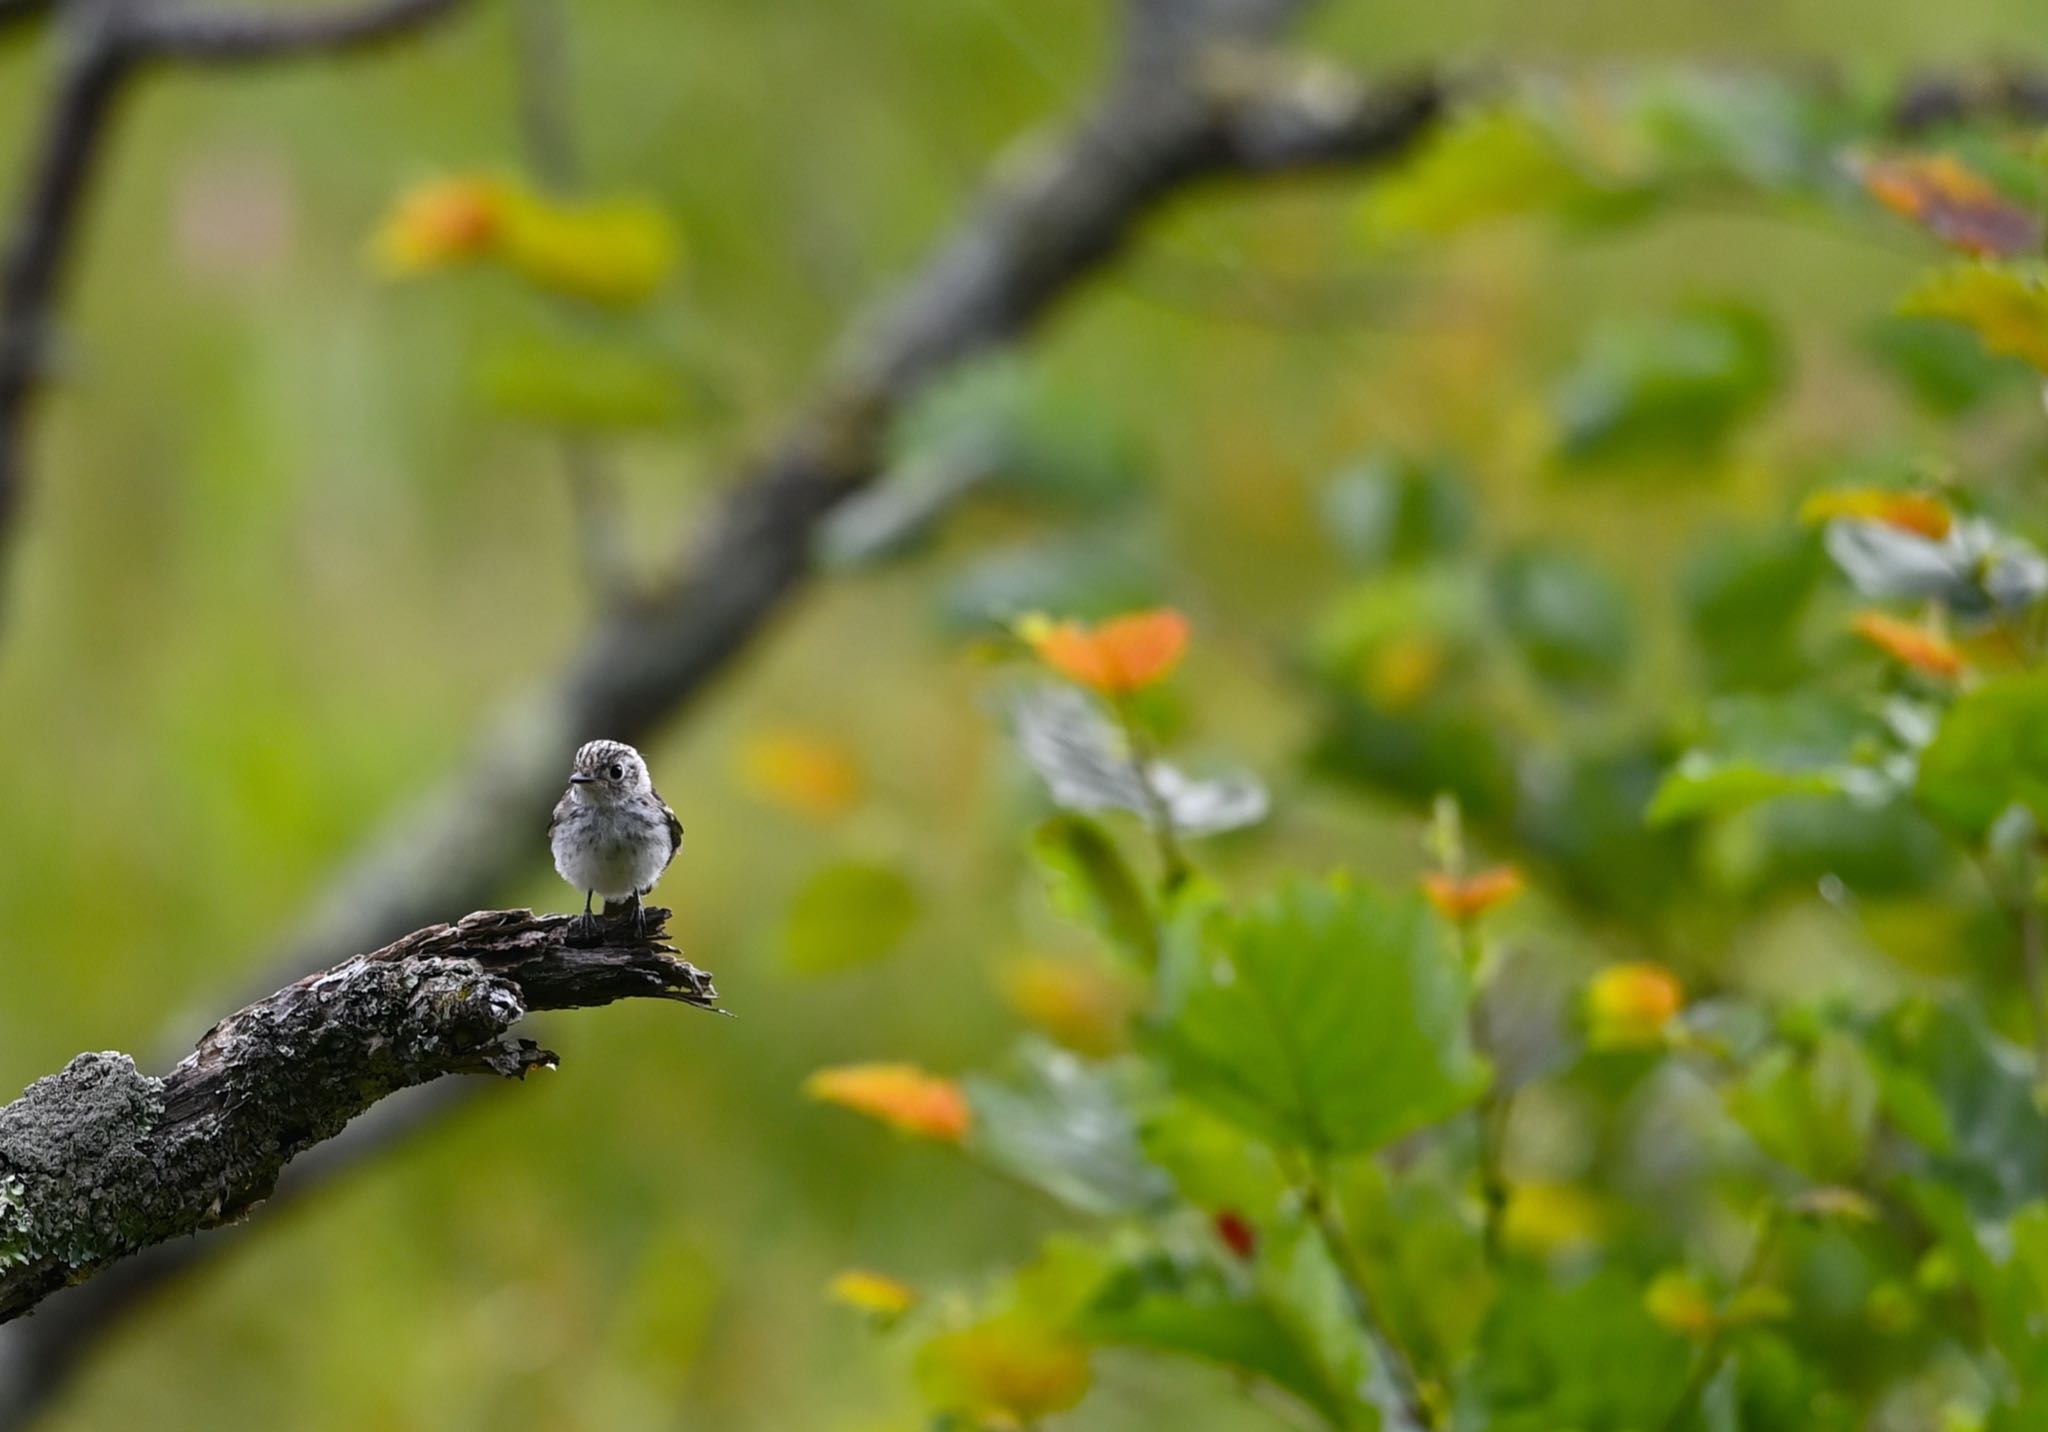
612, 856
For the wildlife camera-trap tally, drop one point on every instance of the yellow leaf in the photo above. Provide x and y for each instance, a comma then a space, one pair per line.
1677, 1301
2006, 305
902, 1096
1908, 511
1628, 1006
1084, 1006
1546, 1218
1404, 670
1009, 1371
616, 252
870, 1292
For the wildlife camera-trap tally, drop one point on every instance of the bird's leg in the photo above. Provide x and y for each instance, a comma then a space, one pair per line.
639, 918
583, 929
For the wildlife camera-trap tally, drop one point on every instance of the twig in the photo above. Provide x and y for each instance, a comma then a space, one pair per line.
14, 12
99, 1161
1402, 1379
101, 46
61, 163
1707, 1361
1173, 862
195, 36
2034, 969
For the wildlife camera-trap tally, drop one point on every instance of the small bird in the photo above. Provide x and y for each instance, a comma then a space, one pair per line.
611, 834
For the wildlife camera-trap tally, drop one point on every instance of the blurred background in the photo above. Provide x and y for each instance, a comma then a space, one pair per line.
296, 529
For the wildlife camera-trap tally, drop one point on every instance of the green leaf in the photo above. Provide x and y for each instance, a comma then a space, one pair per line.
1744, 596
1196, 1311
1990, 753
1569, 619
1091, 880
1582, 1355
1584, 820
1214, 1163
1387, 510
1324, 1017
1489, 164
1064, 1125
1986, 1138
1701, 786
1305, 1289
1676, 388
1760, 748
1944, 367
848, 914
1814, 1112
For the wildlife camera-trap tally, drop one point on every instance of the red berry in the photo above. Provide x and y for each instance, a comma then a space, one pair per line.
1236, 1232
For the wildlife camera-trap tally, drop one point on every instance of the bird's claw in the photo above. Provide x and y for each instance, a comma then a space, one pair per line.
585, 930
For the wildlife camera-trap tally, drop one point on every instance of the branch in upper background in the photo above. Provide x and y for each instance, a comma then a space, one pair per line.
100, 1161
15, 11
101, 45
1058, 208
190, 34
61, 161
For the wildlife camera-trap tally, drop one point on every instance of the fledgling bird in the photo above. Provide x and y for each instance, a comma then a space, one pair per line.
611, 834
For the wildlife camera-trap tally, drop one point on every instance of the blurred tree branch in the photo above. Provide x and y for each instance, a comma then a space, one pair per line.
12, 11
99, 46
1056, 210
100, 1161
191, 34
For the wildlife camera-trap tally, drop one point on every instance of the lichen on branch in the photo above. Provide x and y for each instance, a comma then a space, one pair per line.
101, 1160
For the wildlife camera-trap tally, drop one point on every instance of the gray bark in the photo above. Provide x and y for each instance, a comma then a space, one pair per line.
101, 1160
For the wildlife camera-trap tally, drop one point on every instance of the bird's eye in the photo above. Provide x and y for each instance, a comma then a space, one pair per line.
618, 773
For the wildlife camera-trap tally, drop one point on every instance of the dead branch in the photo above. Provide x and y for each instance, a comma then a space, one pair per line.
100, 1160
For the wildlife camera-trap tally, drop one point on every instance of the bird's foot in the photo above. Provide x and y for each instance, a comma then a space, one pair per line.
585, 930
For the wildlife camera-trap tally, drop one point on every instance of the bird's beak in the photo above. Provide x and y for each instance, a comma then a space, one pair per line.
581, 780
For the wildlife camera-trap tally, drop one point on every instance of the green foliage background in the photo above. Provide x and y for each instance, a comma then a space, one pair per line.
279, 561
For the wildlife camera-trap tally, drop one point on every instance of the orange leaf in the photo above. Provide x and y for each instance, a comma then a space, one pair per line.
1909, 645
1628, 1005
1950, 201
1908, 511
1122, 655
902, 1096
1467, 897
436, 224
808, 774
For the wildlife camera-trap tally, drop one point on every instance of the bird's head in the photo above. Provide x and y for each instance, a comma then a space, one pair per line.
606, 771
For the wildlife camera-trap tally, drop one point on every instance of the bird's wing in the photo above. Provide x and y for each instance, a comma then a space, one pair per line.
675, 831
